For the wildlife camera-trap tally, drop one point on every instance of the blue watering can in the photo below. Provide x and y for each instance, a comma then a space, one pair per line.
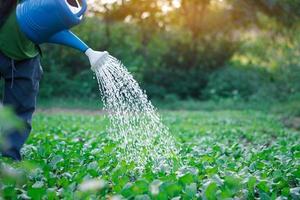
49, 21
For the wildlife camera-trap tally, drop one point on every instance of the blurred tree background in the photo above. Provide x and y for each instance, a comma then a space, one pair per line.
186, 49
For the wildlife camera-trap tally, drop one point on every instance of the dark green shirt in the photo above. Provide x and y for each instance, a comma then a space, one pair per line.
13, 43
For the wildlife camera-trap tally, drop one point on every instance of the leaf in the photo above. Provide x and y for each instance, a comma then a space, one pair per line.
142, 197
154, 187
264, 196
38, 184
217, 179
51, 193
172, 189
92, 185
23, 196
295, 192
191, 190
211, 191
55, 160
251, 183
186, 179
140, 187
263, 186
36, 193
127, 190
232, 184
9, 192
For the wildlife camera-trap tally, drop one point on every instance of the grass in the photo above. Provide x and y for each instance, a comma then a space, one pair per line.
227, 154
70, 103
290, 105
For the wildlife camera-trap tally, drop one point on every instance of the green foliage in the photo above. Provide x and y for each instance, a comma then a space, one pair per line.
264, 68
174, 65
182, 67
240, 83
65, 76
165, 63
285, 11
199, 49
241, 154
8, 121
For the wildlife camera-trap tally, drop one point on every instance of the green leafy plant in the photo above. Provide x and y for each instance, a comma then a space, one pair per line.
226, 154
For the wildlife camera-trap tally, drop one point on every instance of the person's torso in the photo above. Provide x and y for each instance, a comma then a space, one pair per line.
13, 43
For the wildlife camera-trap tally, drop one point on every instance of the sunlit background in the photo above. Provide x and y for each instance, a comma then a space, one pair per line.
179, 50
188, 49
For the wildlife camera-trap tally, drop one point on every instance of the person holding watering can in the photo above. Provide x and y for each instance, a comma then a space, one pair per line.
21, 71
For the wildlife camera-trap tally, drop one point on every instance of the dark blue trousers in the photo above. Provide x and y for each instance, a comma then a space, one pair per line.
20, 92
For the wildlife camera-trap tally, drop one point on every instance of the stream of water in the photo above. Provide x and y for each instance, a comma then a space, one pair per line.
135, 126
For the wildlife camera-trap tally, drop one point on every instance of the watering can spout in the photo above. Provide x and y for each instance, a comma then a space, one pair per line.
68, 38
97, 58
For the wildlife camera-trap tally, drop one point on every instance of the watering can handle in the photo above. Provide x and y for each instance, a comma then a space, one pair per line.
83, 8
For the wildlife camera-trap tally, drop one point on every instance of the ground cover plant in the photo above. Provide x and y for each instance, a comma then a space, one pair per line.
227, 154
